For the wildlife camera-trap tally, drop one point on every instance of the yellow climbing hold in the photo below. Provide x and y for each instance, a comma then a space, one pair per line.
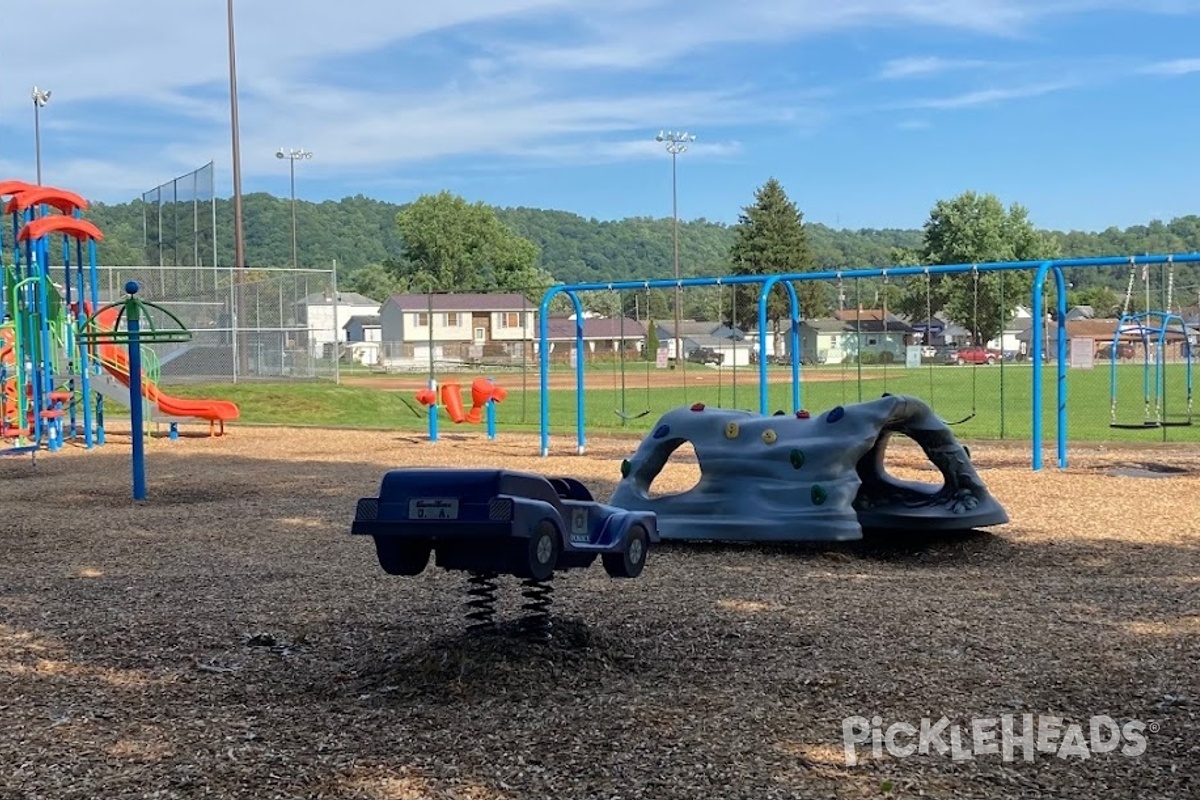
732, 430
769, 436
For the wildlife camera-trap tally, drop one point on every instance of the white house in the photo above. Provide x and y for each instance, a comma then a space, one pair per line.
363, 335
324, 316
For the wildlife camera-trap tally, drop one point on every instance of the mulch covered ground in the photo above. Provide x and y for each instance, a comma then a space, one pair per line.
229, 639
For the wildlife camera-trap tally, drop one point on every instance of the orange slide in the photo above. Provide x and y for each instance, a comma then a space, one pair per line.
115, 361
8, 392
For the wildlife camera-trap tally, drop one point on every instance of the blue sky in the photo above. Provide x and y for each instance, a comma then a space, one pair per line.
868, 111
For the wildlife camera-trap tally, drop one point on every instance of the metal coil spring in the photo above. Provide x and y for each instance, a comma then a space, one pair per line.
538, 598
481, 592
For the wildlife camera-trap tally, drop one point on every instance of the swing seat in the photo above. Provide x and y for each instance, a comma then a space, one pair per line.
1135, 426
628, 415
1183, 423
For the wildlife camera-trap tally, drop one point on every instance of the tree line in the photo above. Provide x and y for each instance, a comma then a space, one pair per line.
441, 241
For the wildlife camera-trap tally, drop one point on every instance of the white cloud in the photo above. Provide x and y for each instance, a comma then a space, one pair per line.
1179, 66
924, 66
985, 97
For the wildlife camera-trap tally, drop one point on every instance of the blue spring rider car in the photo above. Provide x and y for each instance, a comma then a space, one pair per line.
499, 521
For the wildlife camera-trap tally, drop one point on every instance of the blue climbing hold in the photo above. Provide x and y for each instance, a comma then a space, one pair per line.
661, 431
835, 414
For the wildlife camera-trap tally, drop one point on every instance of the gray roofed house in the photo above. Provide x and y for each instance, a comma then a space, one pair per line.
603, 328
343, 299
362, 327
322, 316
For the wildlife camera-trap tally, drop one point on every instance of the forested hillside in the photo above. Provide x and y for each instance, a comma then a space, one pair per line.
358, 231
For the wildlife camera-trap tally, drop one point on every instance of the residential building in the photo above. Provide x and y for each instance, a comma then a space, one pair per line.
461, 326
732, 343
363, 335
324, 317
823, 341
875, 335
602, 336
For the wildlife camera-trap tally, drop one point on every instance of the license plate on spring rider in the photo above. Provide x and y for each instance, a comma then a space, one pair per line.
433, 509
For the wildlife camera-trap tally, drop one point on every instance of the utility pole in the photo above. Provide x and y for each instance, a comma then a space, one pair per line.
239, 233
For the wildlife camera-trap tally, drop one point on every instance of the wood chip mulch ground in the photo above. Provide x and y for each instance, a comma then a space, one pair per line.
229, 639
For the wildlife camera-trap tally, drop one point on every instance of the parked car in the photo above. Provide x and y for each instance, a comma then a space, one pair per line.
705, 355
501, 521
1125, 351
779, 361
973, 355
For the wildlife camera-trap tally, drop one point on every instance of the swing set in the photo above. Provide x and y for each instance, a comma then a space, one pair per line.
927, 329
620, 374
1156, 331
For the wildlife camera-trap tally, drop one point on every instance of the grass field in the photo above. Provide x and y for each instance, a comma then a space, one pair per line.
990, 402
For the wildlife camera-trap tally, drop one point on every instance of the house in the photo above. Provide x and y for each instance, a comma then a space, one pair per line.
823, 341
1081, 312
602, 337
364, 328
363, 335
1014, 338
732, 343
875, 335
460, 326
322, 315
1100, 332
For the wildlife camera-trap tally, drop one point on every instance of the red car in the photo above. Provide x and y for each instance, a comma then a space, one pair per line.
973, 355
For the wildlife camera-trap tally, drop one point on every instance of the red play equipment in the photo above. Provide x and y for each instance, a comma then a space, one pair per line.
482, 391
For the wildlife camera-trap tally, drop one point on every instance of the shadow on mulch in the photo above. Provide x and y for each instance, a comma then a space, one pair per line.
901, 546
503, 661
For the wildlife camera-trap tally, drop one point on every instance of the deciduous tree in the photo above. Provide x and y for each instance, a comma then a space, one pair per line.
456, 245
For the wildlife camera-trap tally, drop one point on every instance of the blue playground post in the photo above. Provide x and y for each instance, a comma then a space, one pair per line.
133, 322
433, 411
133, 337
491, 415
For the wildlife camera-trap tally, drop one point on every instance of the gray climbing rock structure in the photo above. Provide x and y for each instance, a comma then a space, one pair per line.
805, 478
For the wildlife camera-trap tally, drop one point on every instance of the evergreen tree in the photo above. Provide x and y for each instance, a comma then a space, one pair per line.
651, 352
770, 239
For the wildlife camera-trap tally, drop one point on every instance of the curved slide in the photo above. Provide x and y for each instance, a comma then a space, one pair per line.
115, 361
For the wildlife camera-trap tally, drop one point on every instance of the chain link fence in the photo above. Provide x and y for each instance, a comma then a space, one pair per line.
276, 323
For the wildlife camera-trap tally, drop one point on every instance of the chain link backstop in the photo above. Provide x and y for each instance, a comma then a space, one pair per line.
288, 327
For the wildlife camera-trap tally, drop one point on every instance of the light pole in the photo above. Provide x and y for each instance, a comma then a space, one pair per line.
40, 98
677, 142
239, 233
292, 155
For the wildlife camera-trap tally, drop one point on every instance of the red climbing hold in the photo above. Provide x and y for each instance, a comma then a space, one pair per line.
802, 414
698, 407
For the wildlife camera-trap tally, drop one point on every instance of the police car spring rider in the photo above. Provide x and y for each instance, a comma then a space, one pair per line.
490, 522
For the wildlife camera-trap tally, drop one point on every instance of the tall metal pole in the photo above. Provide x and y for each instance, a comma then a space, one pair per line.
292, 180
239, 233
292, 155
40, 98
676, 142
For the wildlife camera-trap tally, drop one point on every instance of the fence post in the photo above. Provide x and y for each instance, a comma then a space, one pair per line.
337, 355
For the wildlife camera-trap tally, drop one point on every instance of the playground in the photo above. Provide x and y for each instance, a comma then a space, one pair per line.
230, 638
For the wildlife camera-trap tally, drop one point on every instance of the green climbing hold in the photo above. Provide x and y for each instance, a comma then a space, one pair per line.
797, 458
626, 467
819, 495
